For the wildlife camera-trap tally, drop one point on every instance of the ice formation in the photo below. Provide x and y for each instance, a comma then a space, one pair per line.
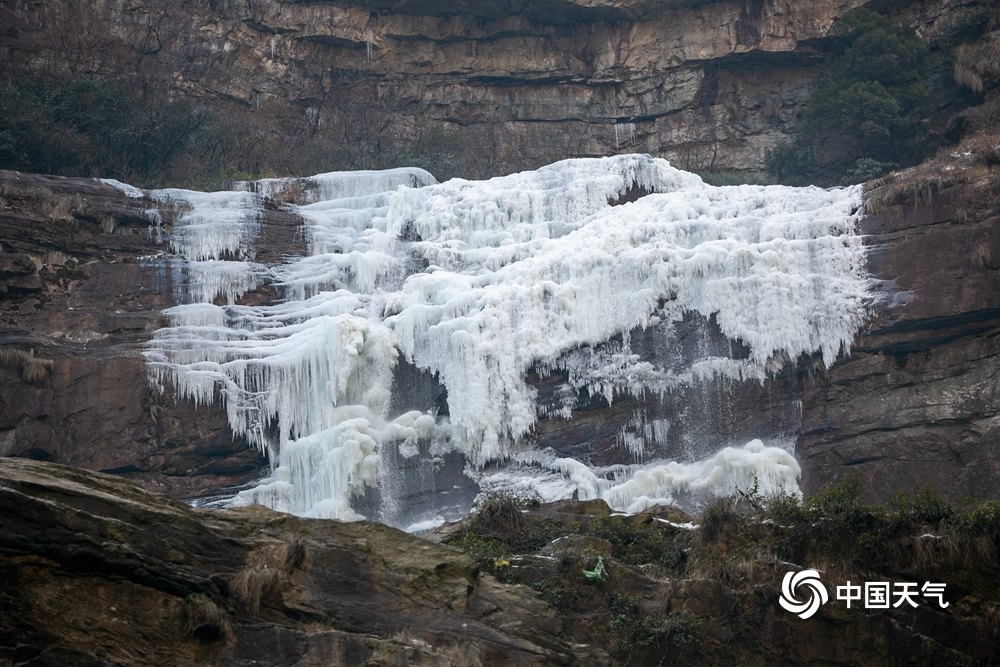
771, 469
479, 283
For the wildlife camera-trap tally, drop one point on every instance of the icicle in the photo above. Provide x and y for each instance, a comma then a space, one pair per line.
369, 39
622, 129
479, 282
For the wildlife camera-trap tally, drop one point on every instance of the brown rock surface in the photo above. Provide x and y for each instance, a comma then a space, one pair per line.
97, 571
79, 297
709, 85
916, 403
918, 400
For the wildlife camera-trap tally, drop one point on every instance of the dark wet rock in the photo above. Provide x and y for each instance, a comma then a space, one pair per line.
98, 571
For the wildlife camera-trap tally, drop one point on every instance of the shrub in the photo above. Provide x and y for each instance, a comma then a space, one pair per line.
30, 367
266, 571
92, 127
204, 620
863, 116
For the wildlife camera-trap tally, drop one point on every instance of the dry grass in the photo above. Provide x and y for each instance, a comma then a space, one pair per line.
51, 205
29, 367
930, 550
976, 62
465, 654
59, 208
266, 571
970, 161
982, 255
983, 147
985, 117
916, 186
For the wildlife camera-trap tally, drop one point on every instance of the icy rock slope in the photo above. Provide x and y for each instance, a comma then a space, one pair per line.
480, 282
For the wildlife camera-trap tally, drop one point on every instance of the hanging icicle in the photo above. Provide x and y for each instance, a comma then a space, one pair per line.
369, 40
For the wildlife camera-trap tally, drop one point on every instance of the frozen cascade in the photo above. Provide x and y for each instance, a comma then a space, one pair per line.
478, 283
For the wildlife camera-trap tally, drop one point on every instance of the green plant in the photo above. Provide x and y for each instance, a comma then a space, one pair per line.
737, 177
641, 541
867, 169
863, 116
964, 25
636, 628
554, 592
92, 126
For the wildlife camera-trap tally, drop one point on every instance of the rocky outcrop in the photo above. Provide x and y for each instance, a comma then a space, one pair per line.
504, 85
79, 297
676, 593
709, 84
917, 402
98, 572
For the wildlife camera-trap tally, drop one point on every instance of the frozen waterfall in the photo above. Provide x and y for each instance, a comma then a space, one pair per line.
477, 284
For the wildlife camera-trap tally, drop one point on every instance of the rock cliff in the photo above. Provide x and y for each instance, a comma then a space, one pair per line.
497, 86
79, 300
916, 403
98, 572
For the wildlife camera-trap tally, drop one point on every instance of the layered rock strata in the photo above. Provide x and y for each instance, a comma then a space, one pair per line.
99, 572
502, 85
917, 402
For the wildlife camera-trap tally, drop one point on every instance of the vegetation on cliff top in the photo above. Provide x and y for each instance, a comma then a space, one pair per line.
676, 591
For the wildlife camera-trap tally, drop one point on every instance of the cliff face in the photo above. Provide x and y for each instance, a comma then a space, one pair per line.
77, 303
153, 582
917, 401
709, 85
528, 82
914, 404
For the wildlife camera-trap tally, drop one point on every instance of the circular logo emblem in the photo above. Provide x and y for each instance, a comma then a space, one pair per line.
813, 587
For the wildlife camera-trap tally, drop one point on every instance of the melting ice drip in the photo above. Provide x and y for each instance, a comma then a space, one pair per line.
479, 283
